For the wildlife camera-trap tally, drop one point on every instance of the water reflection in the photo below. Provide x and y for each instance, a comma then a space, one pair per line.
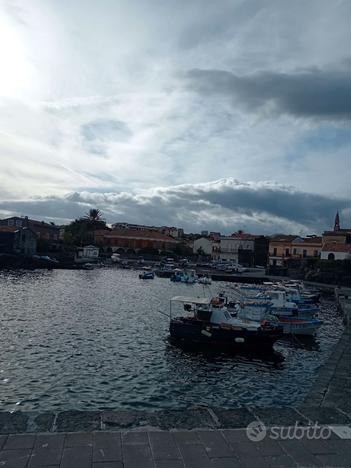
95, 340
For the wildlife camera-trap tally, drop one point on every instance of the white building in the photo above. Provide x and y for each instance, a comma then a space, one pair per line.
231, 245
87, 254
204, 244
336, 251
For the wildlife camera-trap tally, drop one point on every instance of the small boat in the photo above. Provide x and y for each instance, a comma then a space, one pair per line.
288, 319
88, 266
147, 275
184, 276
204, 280
208, 322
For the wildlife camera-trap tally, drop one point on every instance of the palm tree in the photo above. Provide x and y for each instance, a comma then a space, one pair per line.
93, 215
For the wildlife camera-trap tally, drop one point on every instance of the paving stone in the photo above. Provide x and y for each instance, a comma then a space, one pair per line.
14, 458
281, 461
3, 439
185, 419
186, 437
47, 450
136, 452
19, 441
79, 439
131, 437
299, 453
139, 464
113, 464
325, 415
169, 464
215, 444
76, 457
240, 444
128, 419
334, 460
163, 446
11, 423
279, 416
225, 462
270, 448
71, 421
195, 456
235, 418
320, 446
107, 447
49, 441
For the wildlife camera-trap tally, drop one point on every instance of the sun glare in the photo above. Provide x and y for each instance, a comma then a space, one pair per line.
15, 66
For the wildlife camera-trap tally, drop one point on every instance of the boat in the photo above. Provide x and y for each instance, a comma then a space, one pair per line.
147, 275
184, 276
207, 322
291, 320
204, 280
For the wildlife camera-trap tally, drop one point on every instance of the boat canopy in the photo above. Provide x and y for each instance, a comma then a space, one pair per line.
192, 300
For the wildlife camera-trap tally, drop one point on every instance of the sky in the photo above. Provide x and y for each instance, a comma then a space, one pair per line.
192, 113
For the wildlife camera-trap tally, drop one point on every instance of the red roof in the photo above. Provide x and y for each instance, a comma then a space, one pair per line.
9, 228
136, 234
336, 247
283, 238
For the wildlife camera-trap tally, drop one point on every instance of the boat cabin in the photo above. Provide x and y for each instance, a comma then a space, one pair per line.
202, 308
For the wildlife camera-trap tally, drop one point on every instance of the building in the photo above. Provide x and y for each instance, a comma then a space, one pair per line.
238, 248
133, 240
44, 231
261, 248
174, 232
204, 245
338, 235
306, 247
88, 253
17, 240
280, 249
336, 251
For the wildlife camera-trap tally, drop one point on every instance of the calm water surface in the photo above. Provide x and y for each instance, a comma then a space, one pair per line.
95, 340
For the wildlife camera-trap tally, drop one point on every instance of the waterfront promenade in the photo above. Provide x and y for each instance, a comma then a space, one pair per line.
198, 438
164, 449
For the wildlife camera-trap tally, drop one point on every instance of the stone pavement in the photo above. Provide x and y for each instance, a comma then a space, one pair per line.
227, 448
332, 387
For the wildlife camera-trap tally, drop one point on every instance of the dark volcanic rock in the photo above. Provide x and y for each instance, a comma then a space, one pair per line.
70, 421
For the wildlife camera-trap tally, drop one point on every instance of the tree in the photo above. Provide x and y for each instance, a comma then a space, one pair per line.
93, 215
81, 231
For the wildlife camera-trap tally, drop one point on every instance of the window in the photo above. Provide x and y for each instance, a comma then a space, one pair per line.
287, 252
315, 253
295, 252
275, 251
331, 256
304, 253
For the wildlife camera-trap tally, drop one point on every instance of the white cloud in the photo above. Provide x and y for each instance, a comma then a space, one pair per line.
69, 64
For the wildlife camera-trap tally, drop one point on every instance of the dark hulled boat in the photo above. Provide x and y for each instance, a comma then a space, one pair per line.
208, 322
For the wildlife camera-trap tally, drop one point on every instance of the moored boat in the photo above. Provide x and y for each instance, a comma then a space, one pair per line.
208, 322
147, 275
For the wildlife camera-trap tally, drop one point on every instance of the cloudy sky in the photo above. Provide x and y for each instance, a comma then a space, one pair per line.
222, 115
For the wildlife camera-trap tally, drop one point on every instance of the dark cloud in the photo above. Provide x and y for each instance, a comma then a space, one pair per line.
225, 205
306, 93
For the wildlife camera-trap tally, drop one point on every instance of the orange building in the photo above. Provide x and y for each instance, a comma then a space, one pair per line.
133, 239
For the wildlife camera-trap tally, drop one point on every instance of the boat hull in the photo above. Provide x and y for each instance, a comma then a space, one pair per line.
300, 327
194, 332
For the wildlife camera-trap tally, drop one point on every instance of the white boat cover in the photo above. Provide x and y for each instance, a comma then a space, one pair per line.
192, 300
